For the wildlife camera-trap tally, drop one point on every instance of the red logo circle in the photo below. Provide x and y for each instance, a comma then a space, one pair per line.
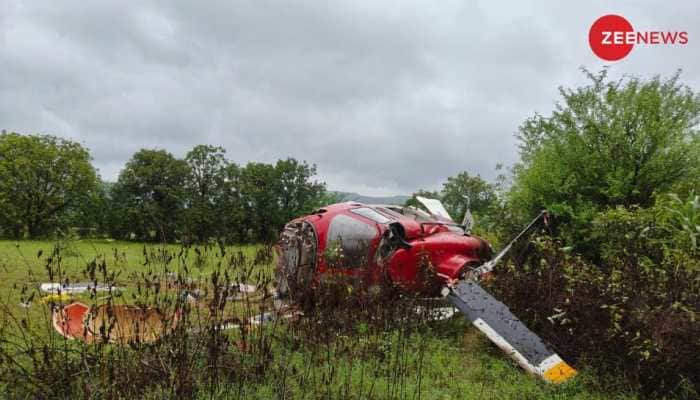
607, 37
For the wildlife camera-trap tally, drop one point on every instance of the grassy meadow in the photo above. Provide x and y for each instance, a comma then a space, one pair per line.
359, 357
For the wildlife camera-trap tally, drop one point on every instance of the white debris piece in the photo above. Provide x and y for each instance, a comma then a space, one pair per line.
437, 313
241, 290
54, 287
262, 318
435, 207
246, 288
444, 313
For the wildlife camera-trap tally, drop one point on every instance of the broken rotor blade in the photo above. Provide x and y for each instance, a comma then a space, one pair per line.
490, 265
435, 207
505, 330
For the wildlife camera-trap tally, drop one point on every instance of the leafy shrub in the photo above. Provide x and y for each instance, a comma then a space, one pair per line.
683, 216
608, 143
633, 312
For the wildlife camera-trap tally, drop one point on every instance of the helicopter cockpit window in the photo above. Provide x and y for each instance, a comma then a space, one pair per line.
417, 214
371, 214
349, 242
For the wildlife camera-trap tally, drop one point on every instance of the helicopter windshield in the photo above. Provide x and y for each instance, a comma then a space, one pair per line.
349, 242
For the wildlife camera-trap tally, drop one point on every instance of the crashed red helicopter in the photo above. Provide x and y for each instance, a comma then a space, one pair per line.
375, 242
369, 242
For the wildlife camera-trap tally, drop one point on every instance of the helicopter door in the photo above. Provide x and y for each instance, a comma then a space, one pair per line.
349, 242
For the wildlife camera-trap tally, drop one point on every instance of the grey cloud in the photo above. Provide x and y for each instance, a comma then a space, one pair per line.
385, 97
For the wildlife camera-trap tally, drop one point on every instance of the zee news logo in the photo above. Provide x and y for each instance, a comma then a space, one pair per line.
612, 37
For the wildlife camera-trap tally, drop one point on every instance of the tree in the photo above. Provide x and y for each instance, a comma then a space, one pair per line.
149, 196
90, 215
481, 195
40, 178
271, 195
258, 190
205, 186
297, 193
610, 143
233, 215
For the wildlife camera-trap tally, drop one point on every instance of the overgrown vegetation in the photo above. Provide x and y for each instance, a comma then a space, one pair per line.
348, 344
609, 143
614, 282
633, 314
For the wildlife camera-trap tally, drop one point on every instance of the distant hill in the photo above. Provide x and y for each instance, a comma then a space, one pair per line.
349, 196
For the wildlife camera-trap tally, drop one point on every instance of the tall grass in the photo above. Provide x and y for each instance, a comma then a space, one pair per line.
351, 342
218, 348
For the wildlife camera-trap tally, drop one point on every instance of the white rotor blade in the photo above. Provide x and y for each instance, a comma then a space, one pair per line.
434, 206
505, 330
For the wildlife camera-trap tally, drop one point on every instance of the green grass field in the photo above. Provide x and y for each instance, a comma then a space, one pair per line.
23, 267
449, 361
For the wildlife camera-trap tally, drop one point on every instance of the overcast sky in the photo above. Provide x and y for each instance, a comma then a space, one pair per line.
384, 97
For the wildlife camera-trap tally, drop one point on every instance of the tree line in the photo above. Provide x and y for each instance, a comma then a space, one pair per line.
48, 186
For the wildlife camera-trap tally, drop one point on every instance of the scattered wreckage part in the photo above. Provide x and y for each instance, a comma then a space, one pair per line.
68, 320
124, 324
245, 287
55, 288
242, 291
267, 317
435, 207
436, 313
256, 320
505, 330
62, 291
120, 324
56, 298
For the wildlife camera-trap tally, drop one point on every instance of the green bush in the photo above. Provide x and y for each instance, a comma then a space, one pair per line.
608, 143
633, 313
